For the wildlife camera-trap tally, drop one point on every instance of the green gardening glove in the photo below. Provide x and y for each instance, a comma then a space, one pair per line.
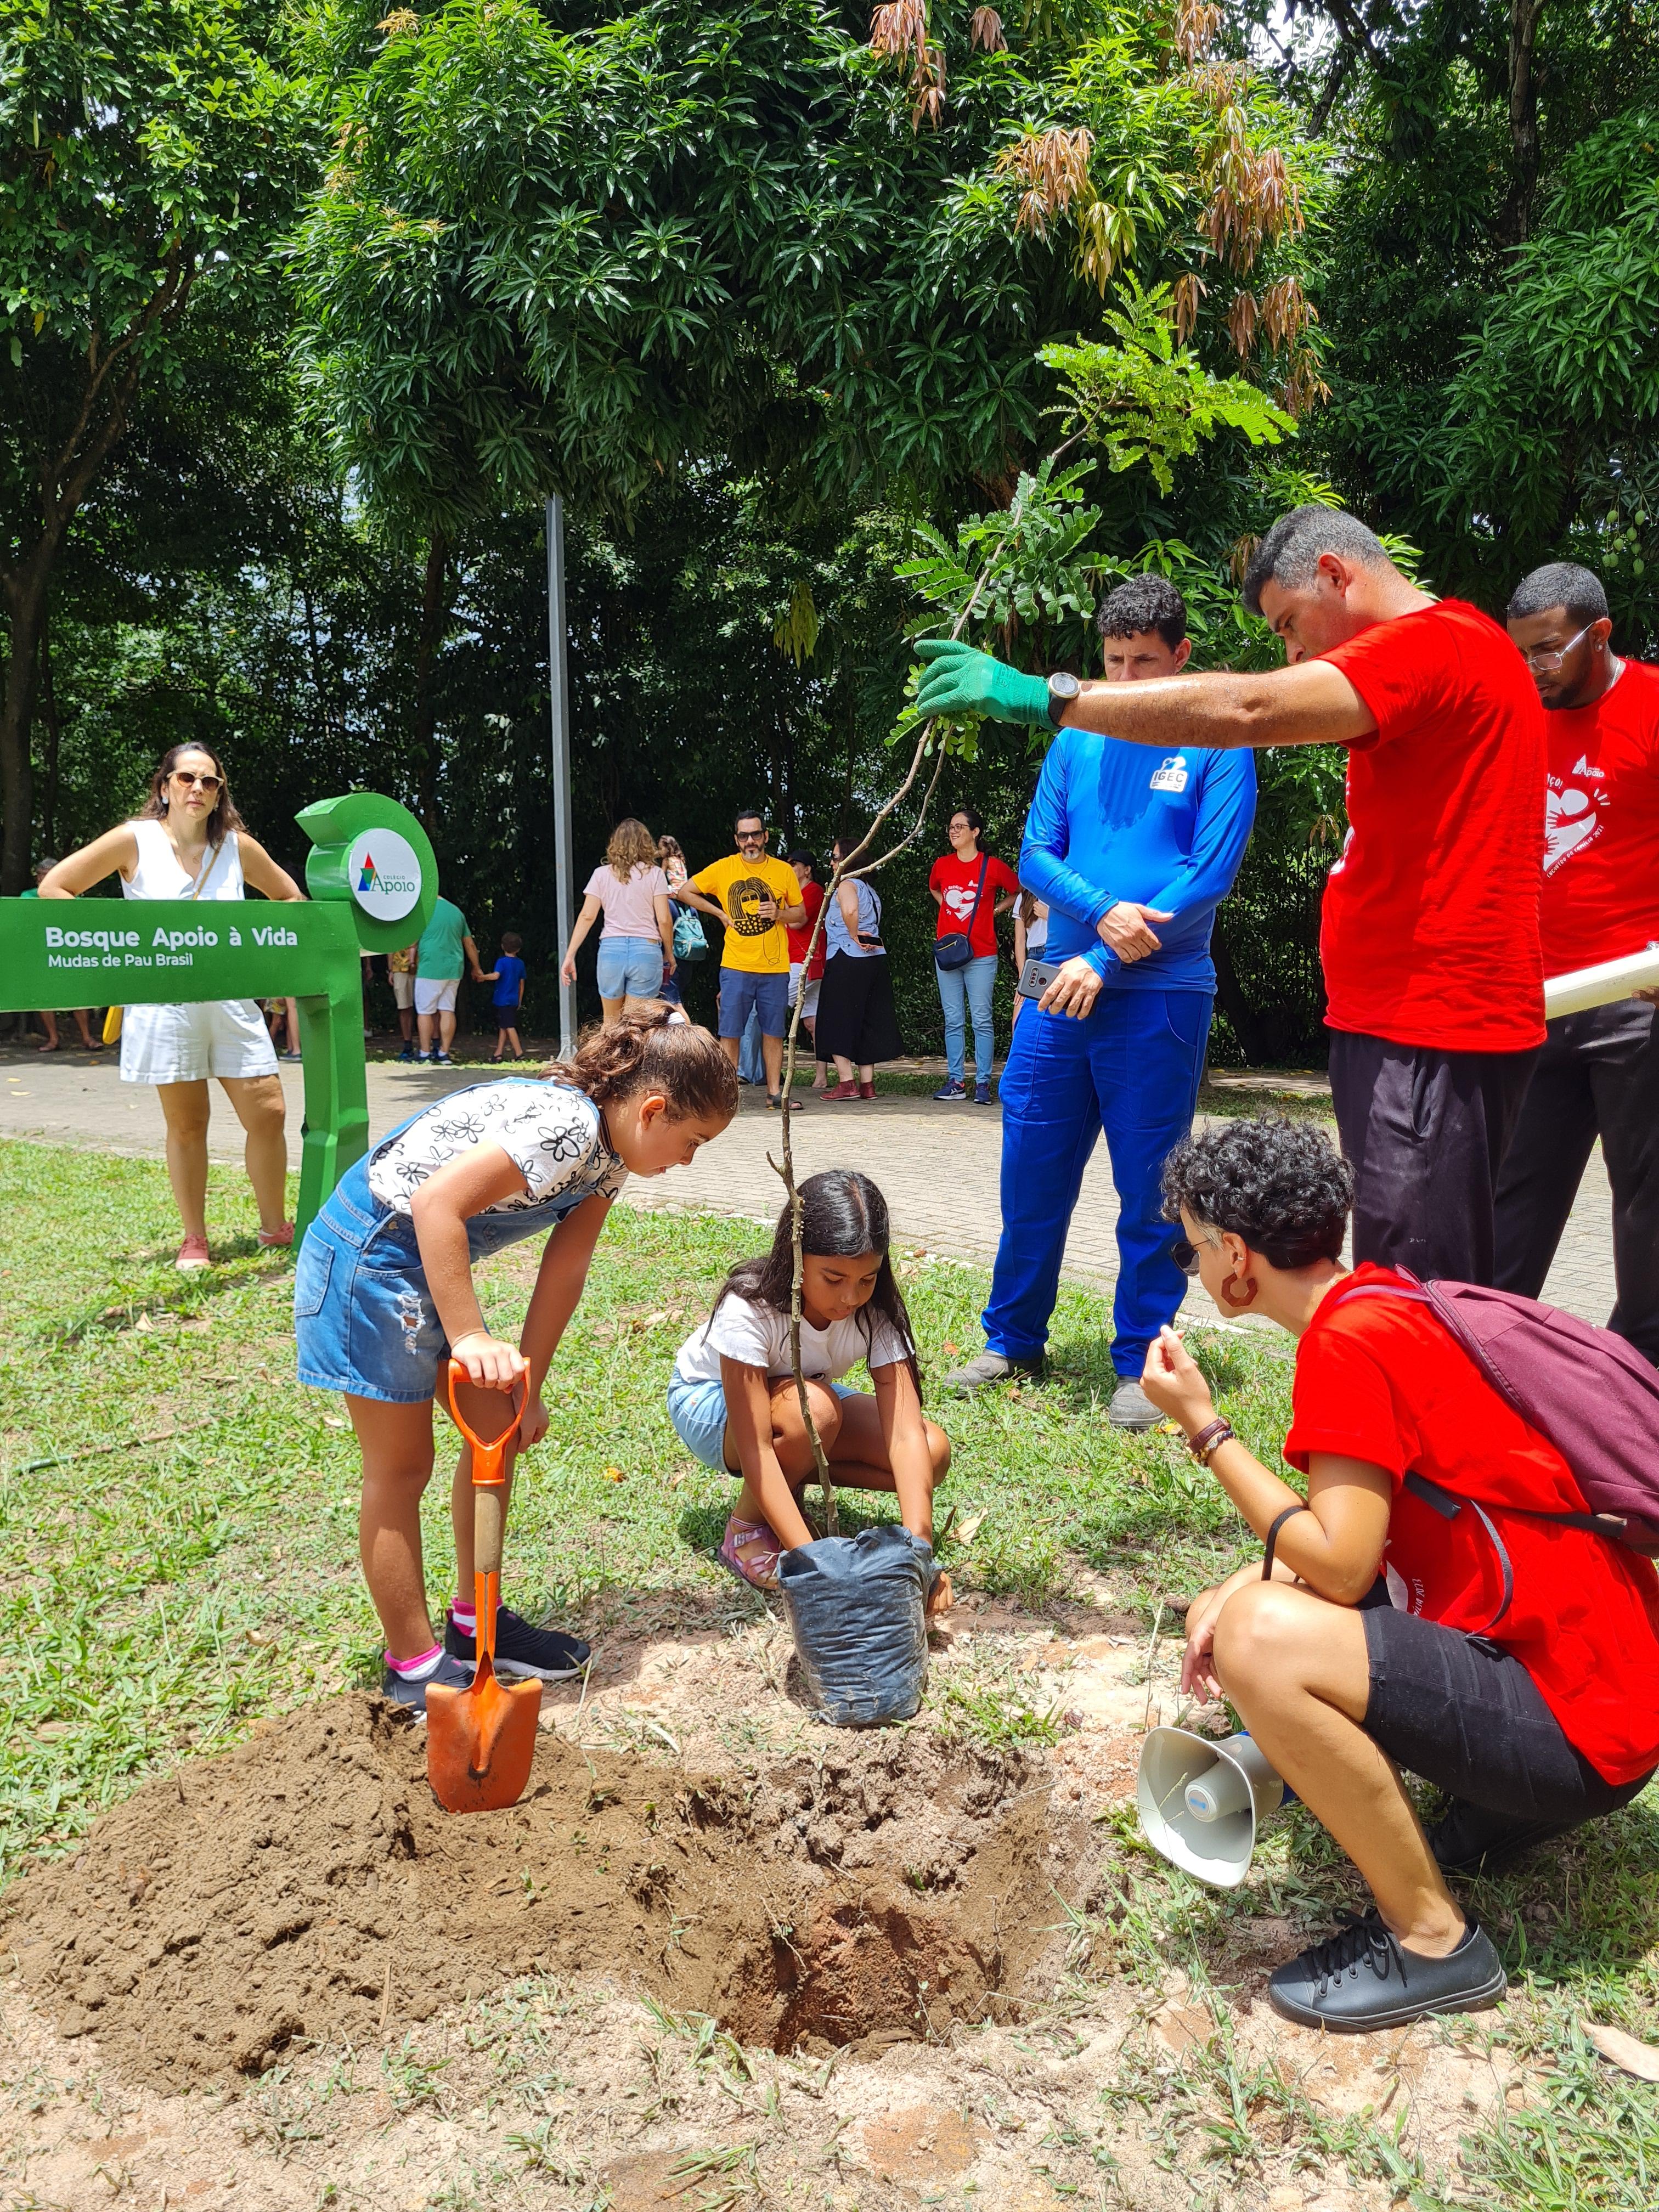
959, 680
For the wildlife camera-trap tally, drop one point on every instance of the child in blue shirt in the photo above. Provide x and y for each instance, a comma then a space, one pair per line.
508, 977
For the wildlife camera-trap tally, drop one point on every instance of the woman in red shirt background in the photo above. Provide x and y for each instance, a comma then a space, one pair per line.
1381, 1639
805, 975
971, 888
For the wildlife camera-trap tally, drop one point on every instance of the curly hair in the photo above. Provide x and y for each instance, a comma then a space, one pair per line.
224, 817
842, 1216
1278, 1184
632, 846
1144, 603
653, 1048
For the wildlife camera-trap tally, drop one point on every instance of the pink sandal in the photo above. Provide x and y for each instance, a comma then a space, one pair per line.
751, 1551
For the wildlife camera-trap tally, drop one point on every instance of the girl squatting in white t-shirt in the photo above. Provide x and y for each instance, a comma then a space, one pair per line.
732, 1397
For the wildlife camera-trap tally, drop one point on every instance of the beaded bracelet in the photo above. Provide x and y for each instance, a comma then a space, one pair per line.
1208, 1441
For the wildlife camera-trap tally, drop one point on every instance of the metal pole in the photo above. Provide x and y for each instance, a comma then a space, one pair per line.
558, 691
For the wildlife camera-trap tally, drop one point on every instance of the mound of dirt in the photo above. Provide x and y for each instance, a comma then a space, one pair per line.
306, 1885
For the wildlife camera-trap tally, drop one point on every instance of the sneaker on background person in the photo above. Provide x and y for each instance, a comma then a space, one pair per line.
952, 1089
983, 1094
1131, 1409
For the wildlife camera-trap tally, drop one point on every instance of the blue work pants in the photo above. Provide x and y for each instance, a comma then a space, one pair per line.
1132, 1067
962, 991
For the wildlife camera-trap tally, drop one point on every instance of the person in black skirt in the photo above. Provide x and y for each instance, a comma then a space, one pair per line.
857, 1025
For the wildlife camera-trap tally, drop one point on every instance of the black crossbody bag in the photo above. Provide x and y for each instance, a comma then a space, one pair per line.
956, 948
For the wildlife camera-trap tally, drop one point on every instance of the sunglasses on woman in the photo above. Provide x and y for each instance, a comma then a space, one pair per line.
1185, 1255
187, 775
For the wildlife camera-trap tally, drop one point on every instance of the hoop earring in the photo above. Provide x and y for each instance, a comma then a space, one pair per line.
1247, 1296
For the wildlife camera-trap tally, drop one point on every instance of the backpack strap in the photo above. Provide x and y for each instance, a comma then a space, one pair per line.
1448, 1505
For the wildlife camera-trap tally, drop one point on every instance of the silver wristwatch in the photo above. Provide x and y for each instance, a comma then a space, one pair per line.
1063, 690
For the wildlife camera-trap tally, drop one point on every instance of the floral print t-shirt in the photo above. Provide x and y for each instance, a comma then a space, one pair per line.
553, 1135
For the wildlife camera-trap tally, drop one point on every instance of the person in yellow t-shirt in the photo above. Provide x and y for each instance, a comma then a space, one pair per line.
758, 900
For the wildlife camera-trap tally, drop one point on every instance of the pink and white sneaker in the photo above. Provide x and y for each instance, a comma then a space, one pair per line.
193, 1254
751, 1551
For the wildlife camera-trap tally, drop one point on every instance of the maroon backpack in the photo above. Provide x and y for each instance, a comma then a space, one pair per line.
1585, 1391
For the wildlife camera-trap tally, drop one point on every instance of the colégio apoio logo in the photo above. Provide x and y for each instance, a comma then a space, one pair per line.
384, 874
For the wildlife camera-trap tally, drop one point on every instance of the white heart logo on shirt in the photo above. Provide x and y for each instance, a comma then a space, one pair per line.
1569, 819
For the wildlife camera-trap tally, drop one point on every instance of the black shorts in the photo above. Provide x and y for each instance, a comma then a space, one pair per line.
1466, 1716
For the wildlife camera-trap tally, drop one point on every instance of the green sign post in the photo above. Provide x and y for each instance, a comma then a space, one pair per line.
373, 880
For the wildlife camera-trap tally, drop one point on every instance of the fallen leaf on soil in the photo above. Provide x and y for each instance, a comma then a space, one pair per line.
615, 1474
332, 1421
1624, 2051
970, 1528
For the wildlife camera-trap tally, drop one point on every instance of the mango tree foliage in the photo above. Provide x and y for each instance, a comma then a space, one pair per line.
145, 148
575, 247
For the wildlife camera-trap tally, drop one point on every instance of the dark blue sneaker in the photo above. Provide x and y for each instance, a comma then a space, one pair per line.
406, 1055
951, 1088
981, 1094
410, 1692
520, 1650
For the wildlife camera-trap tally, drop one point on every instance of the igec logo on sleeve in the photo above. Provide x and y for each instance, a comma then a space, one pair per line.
384, 874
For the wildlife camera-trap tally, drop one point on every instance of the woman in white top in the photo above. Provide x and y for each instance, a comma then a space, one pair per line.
1030, 939
189, 843
636, 946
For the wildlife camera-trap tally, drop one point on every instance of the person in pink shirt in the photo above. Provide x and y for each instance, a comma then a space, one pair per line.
636, 945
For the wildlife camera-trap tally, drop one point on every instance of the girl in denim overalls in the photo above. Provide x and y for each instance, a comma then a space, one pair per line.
383, 1293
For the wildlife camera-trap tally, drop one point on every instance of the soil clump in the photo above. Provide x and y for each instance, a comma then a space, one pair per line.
307, 1887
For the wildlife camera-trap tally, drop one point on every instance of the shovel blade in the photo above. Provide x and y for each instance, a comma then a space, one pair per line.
481, 1741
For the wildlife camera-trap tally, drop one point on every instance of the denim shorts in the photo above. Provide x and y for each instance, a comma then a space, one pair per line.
698, 1412
363, 1317
630, 967
768, 995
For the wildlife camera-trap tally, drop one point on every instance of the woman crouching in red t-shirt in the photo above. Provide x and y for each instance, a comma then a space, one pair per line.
1382, 1638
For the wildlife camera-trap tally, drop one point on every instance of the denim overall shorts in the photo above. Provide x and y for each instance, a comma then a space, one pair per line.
364, 1322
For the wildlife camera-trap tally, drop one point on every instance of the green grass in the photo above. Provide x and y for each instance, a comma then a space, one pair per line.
159, 1596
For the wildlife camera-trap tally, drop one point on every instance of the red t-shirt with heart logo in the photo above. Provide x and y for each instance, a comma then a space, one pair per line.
958, 880
1602, 825
1430, 930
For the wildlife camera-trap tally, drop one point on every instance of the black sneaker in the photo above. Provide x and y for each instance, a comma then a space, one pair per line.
1361, 1980
520, 1650
409, 1691
1469, 1839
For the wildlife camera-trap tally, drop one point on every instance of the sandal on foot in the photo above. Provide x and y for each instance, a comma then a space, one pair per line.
751, 1551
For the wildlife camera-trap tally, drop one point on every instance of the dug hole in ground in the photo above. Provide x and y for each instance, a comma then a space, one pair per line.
717, 1955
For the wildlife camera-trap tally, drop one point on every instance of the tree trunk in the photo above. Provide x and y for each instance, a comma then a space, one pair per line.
53, 728
1248, 1031
26, 611
1515, 224
437, 602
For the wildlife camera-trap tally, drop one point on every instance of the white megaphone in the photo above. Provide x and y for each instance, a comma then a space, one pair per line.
1202, 1799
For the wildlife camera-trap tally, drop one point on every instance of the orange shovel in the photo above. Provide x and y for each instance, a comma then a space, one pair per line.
480, 1742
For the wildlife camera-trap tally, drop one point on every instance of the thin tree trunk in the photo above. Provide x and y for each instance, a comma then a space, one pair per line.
53, 728
25, 611
1515, 224
437, 602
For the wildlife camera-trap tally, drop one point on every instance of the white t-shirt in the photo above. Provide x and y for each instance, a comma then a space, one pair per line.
552, 1134
759, 1336
630, 907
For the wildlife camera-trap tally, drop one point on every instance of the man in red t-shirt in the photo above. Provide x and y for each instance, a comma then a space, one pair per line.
1430, 940
1598, 1074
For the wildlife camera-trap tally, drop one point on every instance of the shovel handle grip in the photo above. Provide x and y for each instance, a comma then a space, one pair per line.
489, 1514
489, 1452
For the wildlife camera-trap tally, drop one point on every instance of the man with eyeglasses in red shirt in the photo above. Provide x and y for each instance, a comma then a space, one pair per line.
1598, 1074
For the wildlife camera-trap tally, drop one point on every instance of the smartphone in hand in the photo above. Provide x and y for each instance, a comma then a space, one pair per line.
1035, 976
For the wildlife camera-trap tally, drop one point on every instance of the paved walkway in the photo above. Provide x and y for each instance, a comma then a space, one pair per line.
938, 1164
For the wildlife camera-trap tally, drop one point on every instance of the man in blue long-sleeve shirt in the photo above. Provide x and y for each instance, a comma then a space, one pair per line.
1133, 847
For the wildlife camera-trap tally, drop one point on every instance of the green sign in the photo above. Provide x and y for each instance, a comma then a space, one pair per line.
373, 880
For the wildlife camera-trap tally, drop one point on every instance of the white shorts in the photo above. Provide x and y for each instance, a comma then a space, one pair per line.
403, 988
809, 1002
214, 1038
437, 995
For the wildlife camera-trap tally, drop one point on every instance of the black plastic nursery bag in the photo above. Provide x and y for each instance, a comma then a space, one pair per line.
858, 1607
